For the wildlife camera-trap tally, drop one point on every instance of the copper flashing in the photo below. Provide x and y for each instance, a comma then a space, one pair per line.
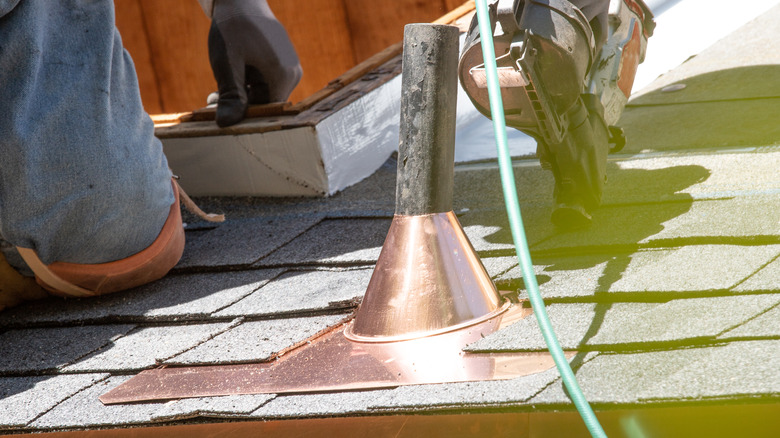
428, 280
332, 362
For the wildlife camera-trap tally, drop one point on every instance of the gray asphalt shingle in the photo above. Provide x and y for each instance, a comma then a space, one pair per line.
736, 220
46, 349
221, 407
739, 217
23, 399
684, 374
693, 268
766, 279
334, 241
313, 405
478, 186
765, 325
687, 270
567, 277
255, 341
496, 266
680, 176
615, 228
85, 410
172, 298
635, 178
489, 232
618, 326
302, 291
147, 347
482, 238
464, 394
242, 242
718, 123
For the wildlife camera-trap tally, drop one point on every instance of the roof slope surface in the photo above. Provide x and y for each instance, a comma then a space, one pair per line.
672, 296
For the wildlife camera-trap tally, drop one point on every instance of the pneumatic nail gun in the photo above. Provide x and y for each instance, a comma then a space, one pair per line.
565, 70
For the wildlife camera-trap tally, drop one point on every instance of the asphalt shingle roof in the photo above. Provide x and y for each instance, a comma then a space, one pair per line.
672, 296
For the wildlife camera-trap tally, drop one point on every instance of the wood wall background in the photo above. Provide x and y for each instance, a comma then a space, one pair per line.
167, 40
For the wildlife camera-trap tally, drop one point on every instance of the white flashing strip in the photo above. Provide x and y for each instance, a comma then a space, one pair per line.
354, 141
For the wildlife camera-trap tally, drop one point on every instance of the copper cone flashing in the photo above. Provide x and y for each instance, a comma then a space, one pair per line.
428, 280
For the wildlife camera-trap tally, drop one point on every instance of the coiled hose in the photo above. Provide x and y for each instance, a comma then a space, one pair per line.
516, 225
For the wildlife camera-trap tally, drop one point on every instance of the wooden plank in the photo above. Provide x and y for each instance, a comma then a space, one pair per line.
178, 36
461, 14
377, 24
451, 5
129, 21
456, 14
319, 32
286, 108
351, 75
169, 119
175, 34
172, 126
268, 110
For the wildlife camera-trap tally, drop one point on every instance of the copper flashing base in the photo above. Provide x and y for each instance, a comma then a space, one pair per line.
332, 362
428, 298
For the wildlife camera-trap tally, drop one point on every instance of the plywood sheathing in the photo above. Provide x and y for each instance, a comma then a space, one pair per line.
375, 71
130, 19
168, 42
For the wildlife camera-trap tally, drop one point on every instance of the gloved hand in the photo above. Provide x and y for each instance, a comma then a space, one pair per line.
251, 56
16, 288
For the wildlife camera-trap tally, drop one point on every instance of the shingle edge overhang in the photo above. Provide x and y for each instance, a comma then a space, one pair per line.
754, 419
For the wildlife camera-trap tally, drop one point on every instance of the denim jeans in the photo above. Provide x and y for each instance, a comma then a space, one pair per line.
82, 177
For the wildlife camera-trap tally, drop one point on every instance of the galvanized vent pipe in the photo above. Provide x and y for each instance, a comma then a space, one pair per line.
426, 150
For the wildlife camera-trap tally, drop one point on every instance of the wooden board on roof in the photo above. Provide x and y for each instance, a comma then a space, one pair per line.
352, 121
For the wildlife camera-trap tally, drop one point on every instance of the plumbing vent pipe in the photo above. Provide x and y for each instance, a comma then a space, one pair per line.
428, 278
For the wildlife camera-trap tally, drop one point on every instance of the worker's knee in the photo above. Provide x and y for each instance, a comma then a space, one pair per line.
147, 265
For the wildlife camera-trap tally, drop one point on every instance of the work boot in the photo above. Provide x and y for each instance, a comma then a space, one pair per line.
578, 164
16, 288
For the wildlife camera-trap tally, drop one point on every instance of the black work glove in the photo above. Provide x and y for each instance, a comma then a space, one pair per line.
251, 56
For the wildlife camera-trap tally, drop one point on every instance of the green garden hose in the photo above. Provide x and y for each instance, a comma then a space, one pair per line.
516, 225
